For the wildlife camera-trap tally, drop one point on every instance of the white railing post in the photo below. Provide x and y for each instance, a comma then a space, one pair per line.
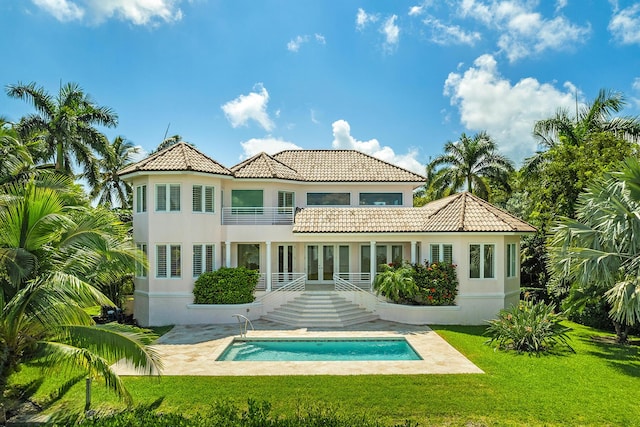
268, 266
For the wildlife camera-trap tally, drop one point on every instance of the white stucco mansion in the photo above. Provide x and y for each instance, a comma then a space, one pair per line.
309, 217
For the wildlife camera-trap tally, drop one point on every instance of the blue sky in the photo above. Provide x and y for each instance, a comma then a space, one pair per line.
395, 79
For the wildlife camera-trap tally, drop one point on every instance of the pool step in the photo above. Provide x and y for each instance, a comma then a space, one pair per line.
326, 309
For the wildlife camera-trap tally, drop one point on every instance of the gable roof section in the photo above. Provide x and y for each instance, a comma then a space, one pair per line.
344, 166
461, 212
178, 157
264, 166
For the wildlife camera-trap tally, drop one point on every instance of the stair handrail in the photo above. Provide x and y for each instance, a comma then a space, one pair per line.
296, 285
243, 333
361, 297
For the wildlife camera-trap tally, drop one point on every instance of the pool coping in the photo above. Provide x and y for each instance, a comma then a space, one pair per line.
187, 350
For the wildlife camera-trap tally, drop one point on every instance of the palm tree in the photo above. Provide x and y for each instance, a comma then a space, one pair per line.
471, 162
110, 188
590, 120
66, 125
15, 157
598, 253
50, 257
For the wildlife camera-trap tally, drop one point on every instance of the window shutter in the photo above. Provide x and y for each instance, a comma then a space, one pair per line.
435, 253
197, 198
197, 260
209, 257
161, 197
208, 199
447, 253
161, 260
175, 261
174, 198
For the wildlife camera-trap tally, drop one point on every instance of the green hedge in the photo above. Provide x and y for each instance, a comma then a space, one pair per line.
226, 286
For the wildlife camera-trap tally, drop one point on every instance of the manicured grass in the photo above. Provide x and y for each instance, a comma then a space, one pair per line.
599, 385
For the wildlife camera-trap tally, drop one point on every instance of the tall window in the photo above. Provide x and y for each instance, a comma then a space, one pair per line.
512, 263
141, 269
343, 259
168, 261
249, 256
365, 259
328, 199
482, 261
168, 197
203, 198
203, 259
441, 252
141, 198
381, 199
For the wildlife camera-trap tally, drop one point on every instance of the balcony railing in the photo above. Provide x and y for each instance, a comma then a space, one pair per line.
257, 216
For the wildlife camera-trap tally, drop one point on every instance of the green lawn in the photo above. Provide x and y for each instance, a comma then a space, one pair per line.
599, 385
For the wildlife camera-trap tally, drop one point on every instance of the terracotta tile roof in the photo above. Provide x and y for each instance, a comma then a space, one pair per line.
461, 212
264, 166
178, 157
344, 166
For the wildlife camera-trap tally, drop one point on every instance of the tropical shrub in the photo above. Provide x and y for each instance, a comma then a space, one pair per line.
396, 283
226, 286
437, 283
531, 327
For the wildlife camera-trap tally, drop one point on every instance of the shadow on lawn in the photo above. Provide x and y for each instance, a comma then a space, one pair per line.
624, 358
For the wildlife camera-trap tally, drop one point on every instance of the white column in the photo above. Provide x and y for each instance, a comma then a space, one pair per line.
227, 254
372, 261
413, 252
268, 269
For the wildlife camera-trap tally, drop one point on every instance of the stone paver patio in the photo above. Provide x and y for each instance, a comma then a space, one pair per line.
193, 349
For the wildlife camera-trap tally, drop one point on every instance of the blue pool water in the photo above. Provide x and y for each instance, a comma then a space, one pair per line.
319, 350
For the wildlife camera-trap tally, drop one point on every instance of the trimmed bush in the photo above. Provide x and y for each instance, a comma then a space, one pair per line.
531, 327
226, 286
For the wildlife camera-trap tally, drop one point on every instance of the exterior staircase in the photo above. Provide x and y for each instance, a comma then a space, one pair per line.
325, 309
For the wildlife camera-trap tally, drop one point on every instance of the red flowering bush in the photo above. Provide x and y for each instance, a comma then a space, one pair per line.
437, 283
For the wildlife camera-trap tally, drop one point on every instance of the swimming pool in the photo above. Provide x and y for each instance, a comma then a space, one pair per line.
330, 349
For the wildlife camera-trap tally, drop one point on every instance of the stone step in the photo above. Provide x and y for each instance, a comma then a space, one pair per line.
320, 309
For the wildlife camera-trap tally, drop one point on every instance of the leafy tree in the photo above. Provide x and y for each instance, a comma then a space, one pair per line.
577, 150
50, 257
15, 157
66, 126
598, 253
110, 190
471, 162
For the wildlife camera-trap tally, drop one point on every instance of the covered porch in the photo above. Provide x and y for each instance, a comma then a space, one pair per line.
318, 265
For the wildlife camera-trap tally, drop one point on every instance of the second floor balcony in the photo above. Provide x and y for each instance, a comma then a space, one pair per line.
257, 216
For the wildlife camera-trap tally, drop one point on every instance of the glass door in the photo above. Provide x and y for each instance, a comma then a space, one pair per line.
320, 263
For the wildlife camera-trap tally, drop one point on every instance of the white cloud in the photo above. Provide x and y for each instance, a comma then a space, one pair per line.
419, 9
524, 31
342, 139
138, 12
561, 4
249, 107
636, 84
363, 18
62, 10
450, 34
508, 112
269, 145
625, 25
295, 44
314, 119
391, 33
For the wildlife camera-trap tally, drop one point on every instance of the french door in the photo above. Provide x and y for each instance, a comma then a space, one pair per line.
325, 260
